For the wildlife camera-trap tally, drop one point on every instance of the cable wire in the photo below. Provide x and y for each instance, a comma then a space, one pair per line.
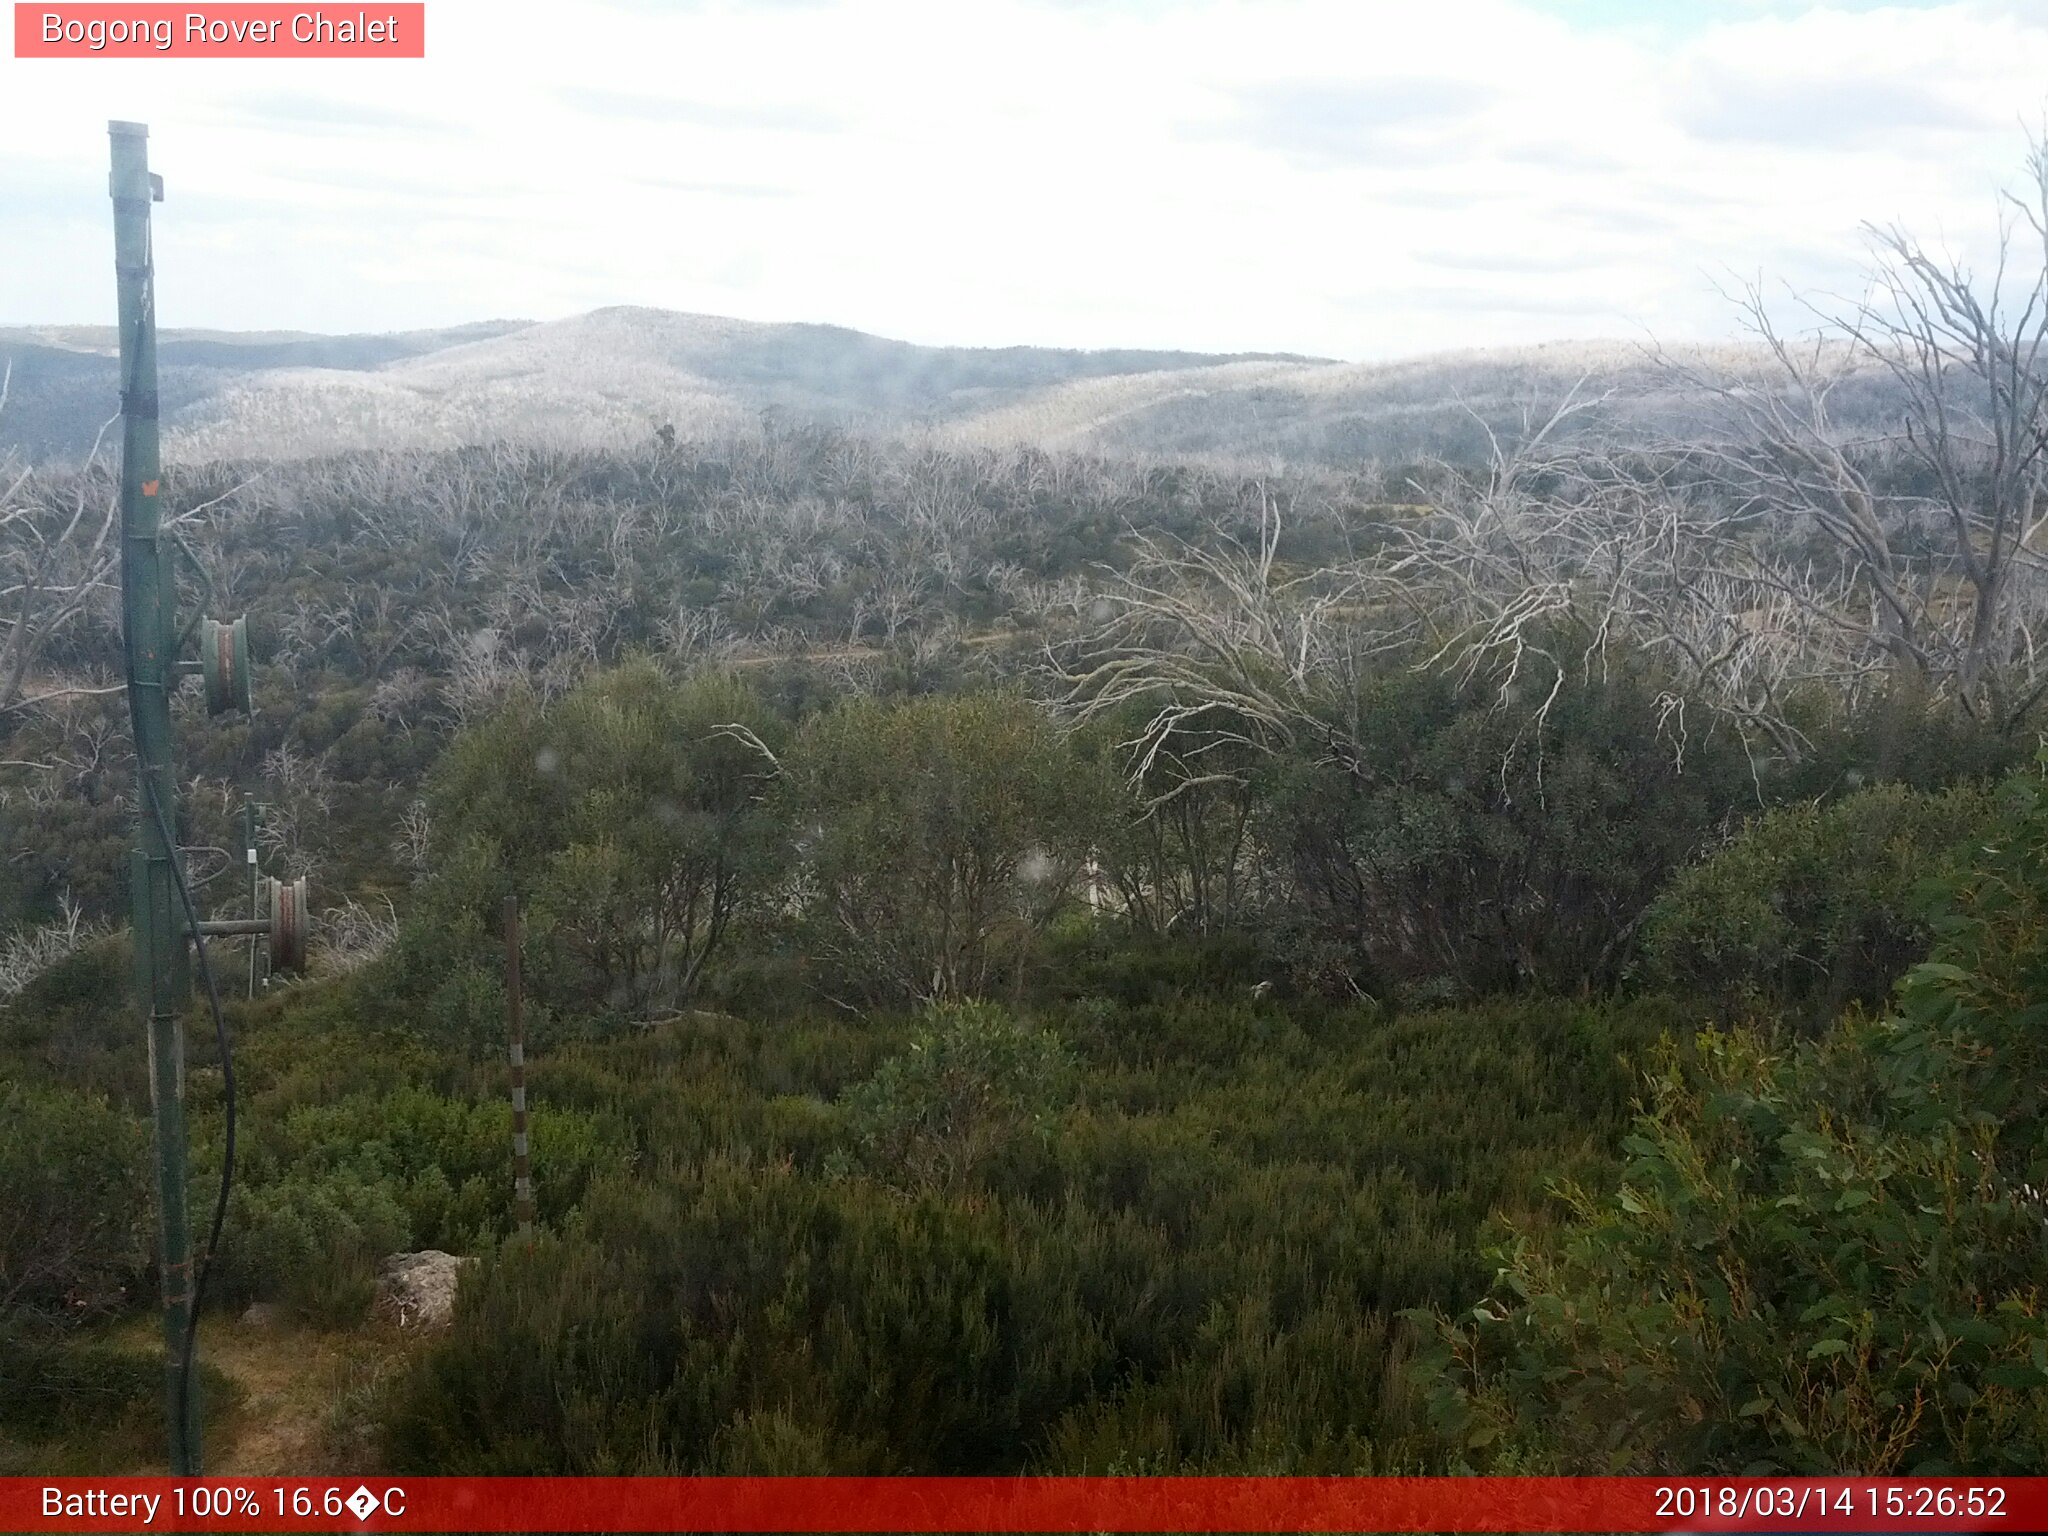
227, 1082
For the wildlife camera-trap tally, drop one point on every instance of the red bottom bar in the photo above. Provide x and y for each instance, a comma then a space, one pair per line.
1049, 1504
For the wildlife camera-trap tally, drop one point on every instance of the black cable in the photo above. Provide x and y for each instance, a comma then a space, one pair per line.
227, 1082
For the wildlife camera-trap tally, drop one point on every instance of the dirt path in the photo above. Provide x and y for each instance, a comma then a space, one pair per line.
307, 1397
279, 1428
311, 1397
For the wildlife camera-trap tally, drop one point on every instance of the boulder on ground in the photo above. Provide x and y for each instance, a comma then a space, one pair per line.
417, 1290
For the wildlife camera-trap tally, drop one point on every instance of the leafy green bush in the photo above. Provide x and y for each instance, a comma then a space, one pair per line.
1105, 958
1182, 856
1469, 850
1812, 907
326, 1043
1896, 734
972, 1079
645, 1338
312, 1242
627, 818
74, 1214
1819, 1259
938, 837
75, 1026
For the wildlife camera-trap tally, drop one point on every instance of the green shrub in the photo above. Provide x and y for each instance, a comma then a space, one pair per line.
1110, 960
672, 1311
627, 818
1821, 1258
1813, 907
972, 1079
323, 1044
75, 1026
1896, 734
52, 1386
74, 1213
312, 1242
1469, 850
325, 1191
938, 837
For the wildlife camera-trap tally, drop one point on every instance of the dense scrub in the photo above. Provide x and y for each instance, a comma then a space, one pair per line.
1179, 1190
1186, 1253
1151, 1220
939, 1068
1819, 1255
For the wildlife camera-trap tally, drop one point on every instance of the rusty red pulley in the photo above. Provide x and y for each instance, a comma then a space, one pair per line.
289, 922
224, 662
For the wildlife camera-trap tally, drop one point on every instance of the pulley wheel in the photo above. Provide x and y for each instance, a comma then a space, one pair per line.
289, 921
224, 662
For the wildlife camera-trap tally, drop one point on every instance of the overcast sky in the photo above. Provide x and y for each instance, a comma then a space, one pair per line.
1340, 177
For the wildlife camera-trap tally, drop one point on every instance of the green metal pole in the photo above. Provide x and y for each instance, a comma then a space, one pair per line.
149, 615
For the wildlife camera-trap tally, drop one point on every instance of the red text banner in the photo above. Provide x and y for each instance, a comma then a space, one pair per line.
232, 31
1049, 1504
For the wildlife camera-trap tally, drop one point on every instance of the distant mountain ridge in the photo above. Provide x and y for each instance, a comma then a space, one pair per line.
612, 371
614, 376
65, 379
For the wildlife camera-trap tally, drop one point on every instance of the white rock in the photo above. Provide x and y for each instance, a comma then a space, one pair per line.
417, 1290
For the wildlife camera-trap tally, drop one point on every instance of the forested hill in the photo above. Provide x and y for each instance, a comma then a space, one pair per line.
63, 380
612, 378
609, 376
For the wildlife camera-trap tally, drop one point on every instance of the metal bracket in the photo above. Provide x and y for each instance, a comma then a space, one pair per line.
156, 188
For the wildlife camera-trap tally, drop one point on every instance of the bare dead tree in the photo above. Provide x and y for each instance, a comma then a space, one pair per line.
353, 934
899, 601
1968, 356
1498, 576
298, 795
697, 635
414, 839
1565, 554
405, 699
1697, 550
28, 952
57, 555
1227, 649
1557, 558
481, 670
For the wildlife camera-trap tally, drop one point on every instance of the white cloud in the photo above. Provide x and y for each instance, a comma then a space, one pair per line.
1324, 176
